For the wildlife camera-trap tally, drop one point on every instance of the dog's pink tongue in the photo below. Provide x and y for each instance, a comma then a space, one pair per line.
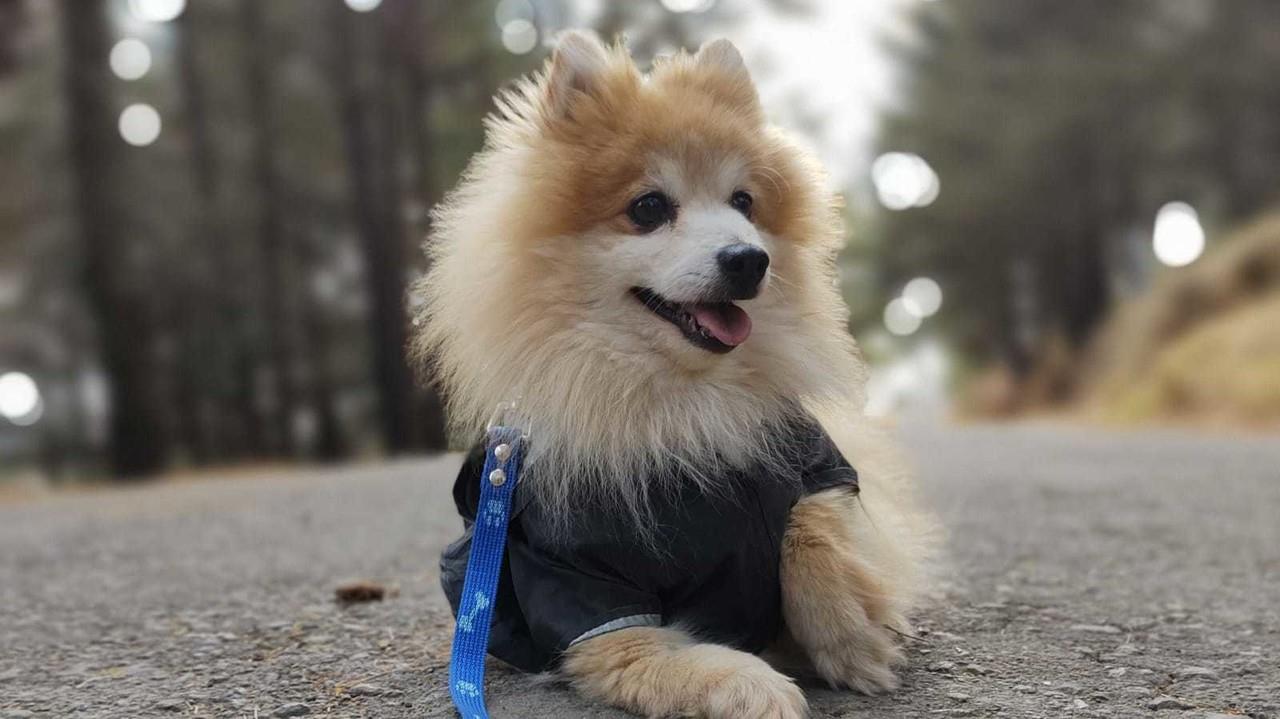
726, 322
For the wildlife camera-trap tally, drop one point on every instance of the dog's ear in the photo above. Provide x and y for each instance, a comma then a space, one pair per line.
721, 55
720, 60
577, 68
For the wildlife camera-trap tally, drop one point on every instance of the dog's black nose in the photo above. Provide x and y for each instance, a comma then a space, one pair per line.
743, 267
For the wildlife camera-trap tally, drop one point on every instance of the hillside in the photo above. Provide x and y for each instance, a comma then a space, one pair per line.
1202, 345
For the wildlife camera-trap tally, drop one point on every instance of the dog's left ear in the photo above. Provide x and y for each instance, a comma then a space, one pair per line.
721, 54
722, 61
576, 69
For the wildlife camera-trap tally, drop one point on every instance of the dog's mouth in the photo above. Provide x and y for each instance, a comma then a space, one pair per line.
714, 326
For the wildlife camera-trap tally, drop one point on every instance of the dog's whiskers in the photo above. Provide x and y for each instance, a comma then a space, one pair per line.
775, 277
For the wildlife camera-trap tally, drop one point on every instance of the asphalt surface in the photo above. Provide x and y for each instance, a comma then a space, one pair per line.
1088, 574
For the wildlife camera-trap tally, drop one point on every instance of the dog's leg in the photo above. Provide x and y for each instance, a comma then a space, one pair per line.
839, 607
661, 672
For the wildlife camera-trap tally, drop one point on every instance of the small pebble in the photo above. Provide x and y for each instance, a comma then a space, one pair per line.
958, 696
1080, 704
976, 669
1117, 672
293, 709
1025, 689
171, 705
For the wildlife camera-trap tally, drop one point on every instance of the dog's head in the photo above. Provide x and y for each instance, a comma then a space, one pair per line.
640, 257
670, 199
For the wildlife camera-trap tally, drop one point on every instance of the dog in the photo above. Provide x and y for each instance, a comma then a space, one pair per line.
649, 267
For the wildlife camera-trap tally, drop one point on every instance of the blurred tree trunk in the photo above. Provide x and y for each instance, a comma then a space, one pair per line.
406, 28
404, 42
1078, 270
135, 436
225, 422
13, 23
273, 240
372, 151
198, 375
329, 443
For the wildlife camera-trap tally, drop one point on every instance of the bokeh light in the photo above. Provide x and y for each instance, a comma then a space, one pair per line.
509, 11
139, 124
922, 297
20, 399
519, 36
1178, 239
130, 59
900, 320
157, 10
688, 5
363, 5
904, 180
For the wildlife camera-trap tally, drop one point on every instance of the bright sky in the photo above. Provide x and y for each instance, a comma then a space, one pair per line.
827, 74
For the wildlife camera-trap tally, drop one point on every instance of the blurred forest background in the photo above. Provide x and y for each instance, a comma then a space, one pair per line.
210, 210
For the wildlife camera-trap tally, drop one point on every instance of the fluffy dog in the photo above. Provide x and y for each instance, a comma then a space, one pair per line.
649, 267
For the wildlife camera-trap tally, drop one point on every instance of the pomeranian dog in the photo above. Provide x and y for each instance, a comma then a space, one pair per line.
650, 268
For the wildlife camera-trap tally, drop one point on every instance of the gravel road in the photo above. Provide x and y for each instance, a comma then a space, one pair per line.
1090, 574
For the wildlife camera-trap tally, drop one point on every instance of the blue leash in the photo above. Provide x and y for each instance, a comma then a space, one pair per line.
488, 541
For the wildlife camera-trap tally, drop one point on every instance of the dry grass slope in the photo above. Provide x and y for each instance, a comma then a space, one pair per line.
1204, 344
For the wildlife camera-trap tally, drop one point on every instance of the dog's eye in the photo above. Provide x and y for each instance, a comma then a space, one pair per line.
741, 201
650, 210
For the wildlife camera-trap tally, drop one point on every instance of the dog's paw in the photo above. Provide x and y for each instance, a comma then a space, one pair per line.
756, 693
862, 660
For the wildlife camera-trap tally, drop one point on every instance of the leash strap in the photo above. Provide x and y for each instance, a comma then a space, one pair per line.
479, 588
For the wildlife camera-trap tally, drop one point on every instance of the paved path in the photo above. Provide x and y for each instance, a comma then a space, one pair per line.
1091, 574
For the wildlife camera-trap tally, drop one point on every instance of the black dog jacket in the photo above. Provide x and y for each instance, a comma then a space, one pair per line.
714, 569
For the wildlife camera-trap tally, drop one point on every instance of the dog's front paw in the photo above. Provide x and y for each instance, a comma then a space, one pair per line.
755, 692
862, 659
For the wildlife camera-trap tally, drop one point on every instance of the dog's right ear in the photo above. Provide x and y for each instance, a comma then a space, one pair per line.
577, 68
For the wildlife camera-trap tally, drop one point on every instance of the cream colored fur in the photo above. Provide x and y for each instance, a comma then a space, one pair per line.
662, 672
527, 298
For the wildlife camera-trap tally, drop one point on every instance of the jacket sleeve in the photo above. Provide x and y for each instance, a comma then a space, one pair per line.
824, 467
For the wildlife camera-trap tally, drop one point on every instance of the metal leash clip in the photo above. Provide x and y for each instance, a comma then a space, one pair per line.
507, 414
